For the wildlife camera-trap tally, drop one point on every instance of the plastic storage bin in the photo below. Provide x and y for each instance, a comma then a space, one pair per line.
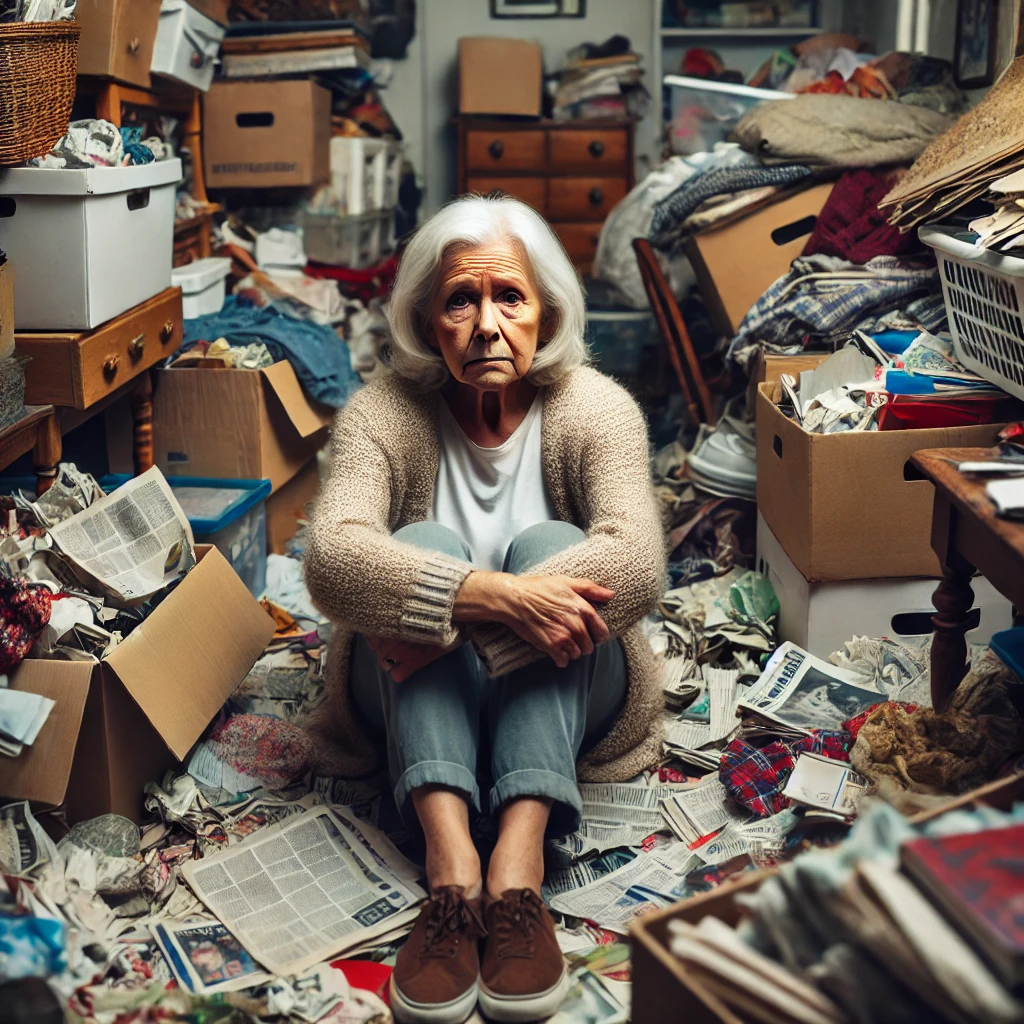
187, 44
623, 342
365, 174
87, 244
705, 112
202, 284
355, 242
984, 293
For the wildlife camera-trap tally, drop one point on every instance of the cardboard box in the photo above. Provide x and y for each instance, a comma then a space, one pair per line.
6, 310
736, 263
500, 76
117, 38
846, 506
288, 506
269, 133
821, 617
123, 722
249, 424
769, 367
215, 10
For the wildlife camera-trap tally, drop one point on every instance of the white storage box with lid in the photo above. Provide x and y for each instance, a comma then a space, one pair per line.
984, 294
355, 242
187, 44
365, 173
821, 617
705, 111
202, 285
87, 244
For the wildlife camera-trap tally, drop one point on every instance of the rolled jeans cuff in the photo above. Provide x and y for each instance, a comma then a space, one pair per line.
436, 773
567, 808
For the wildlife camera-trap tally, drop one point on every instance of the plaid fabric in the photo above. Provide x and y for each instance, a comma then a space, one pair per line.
754, 777
835, 745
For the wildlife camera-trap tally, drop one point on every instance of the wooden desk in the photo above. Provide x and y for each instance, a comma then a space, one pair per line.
37, 431
968, 536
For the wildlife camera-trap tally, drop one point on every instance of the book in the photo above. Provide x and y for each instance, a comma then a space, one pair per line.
977, 880
266, 65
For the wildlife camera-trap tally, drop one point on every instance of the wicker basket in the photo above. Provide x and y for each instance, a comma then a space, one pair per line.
38, 64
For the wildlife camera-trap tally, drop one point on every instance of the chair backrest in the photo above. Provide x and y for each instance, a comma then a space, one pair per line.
677, 339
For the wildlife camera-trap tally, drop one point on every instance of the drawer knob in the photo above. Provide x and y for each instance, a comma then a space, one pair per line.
496, 148
133, 47
167, 331
596, 149
596, 197
136, 347
110, 367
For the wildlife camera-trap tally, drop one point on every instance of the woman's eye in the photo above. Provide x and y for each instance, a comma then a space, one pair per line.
458, 301
512, 297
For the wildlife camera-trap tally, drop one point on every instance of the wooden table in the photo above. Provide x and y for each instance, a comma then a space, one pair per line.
37, 431
968, 537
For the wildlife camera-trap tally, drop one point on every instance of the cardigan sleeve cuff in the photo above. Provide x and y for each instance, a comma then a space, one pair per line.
427, 611
502, 650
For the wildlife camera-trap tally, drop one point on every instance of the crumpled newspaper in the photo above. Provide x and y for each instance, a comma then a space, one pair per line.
70, 493
37, 10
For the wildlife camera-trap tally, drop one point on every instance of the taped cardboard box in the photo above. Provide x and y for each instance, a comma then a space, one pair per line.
288, 505
847, 506
736, 263
117, 38
264, 134
123, 722
249, 424
485, 84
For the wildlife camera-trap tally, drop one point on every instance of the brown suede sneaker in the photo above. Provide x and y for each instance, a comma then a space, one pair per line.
523, 975
437, 971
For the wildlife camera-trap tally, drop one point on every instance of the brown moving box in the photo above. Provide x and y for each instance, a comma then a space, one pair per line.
736, 263
288, 505
241, 424
769, 367
123, 722
500, 76
117, 38
6, 310
842, 505
268, 133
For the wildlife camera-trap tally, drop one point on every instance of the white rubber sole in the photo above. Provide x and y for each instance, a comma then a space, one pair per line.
537, 1006
456, 1011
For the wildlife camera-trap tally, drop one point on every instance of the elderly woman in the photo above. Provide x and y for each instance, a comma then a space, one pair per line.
486, 543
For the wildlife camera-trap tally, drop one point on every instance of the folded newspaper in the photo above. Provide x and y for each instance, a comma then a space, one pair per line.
306, 889
130, 544
205, 957
22, 715
798, 693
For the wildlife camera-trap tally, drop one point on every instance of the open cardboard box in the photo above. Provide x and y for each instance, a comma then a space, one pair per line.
847, 506
671, 993
123, 722
238, 424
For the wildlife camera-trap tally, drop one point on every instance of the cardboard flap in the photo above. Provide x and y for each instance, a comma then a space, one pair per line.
305, 415
185, 660
42, 771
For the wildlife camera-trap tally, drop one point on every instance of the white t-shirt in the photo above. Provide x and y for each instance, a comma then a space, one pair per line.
489, 495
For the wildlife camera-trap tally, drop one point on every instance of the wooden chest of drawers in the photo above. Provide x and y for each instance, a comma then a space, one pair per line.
572, 172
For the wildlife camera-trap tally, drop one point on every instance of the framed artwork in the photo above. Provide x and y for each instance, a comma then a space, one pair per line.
974, 59
538, 8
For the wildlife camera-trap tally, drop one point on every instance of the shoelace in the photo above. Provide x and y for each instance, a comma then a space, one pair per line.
450, 914
516, 918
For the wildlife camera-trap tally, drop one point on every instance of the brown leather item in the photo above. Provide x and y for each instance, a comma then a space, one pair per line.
522, 957
440, 962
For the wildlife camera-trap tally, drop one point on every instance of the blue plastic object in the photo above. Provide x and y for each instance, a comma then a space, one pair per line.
1008, 647
894, 342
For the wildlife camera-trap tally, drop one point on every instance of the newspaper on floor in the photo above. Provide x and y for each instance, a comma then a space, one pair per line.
590, 1001
586, 871
651, 879
132, 543
797, 693
698, 811
825, 785
681, 683
206, 958
22, 715
24, 845
761, 839
302, 891
687, 740
70, 493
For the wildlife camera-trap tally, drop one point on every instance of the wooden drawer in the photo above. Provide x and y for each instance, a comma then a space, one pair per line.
530, 190
580, 198
78, 370
598, 152
580, 241
505, 151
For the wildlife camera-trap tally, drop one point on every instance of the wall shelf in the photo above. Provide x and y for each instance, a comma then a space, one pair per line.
739, 33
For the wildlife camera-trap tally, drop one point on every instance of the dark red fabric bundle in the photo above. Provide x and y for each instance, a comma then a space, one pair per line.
24, 612
852, 227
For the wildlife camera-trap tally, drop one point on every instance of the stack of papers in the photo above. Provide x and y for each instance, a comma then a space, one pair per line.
702, 810
1008, 497
1003, 229
21, 717
825, 785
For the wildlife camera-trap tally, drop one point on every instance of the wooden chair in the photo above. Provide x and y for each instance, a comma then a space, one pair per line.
700, 406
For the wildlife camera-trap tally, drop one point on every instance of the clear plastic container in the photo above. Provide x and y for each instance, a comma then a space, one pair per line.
355, 242
365, 173
705, 112
623, 342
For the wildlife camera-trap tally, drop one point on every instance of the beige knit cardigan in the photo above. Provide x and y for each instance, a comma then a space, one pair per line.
384, 457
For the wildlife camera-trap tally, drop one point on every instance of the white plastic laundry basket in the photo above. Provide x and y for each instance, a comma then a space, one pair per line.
984, 294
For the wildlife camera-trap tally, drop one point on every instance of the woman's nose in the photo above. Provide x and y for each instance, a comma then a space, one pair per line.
487, 324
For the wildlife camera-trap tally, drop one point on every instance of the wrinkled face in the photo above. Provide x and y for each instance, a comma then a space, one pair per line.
486, 315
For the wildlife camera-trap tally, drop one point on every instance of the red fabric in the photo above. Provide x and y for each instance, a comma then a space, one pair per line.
371, 283
24, 612
853, 725
852, 227
911, 412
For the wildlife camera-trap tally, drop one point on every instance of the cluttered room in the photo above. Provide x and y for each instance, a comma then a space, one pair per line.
511, 510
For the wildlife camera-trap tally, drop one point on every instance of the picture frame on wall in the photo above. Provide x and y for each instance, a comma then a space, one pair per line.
974, 57
538, 8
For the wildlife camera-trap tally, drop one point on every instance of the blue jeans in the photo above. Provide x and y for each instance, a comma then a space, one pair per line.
520, 734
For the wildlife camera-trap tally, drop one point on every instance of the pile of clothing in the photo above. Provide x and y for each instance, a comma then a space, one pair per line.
601, 81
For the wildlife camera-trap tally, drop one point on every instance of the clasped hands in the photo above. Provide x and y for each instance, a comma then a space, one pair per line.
554, 614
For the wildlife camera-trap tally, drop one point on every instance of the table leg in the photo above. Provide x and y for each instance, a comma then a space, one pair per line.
47, 452
142, 424
953, 601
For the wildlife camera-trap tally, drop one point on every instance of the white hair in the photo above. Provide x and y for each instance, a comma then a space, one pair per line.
472, 221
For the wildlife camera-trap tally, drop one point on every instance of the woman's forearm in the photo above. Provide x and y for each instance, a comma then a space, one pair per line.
484, 597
